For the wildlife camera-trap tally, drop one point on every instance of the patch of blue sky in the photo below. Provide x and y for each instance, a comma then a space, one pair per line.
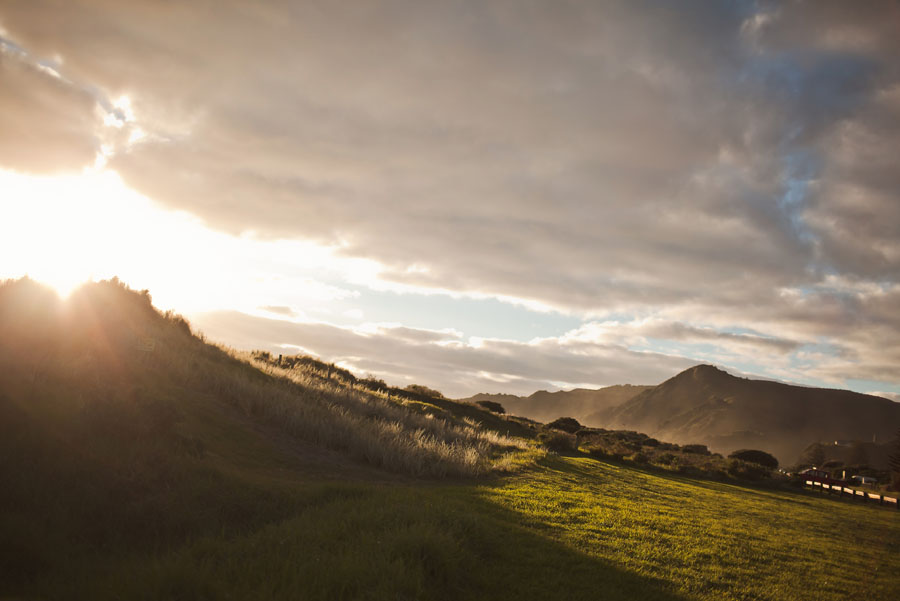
738, 364
872, 386
484, 318
822, 347
743, 332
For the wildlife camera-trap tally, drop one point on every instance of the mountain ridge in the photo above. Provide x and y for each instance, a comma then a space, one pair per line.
707, 405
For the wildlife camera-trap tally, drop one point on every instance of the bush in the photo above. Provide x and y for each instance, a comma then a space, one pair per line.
491, 406
666, 458
754, 456
639, 457
746, 471
566, 424
651, 442
697, 449
598, 452
558, 442
425, 391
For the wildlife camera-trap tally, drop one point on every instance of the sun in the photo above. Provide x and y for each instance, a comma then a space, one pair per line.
66, 229
63, 230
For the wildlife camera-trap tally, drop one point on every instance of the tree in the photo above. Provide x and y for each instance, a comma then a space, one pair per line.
754, 456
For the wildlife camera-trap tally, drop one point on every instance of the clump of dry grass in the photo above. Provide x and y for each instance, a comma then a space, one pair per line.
98, 342
367, 425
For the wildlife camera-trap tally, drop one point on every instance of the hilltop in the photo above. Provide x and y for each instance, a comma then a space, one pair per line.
139, 461
708, 405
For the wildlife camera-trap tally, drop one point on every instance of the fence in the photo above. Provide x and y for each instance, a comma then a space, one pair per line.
853, 493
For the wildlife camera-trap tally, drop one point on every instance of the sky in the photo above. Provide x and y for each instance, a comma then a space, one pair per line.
477, 196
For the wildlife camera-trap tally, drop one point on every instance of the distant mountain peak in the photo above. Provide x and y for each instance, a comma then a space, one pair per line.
706, 368
706, 404
703, 375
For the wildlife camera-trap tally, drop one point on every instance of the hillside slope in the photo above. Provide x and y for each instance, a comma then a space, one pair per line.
139, 462
588, 406
707, 405
111, 413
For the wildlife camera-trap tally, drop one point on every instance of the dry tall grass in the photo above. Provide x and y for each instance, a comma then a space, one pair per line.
98, 341
366, 424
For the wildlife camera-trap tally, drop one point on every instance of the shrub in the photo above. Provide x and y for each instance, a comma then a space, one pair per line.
754, 456
666, 458
745, 470
566, 424
597, 451
491, 406
374, 384
697, 449
424, 391
651, 442
558, 442
690, 470
639, 457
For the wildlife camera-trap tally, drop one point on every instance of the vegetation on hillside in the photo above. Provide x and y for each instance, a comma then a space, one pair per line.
107, 337
112, 413
755, 456
138, 461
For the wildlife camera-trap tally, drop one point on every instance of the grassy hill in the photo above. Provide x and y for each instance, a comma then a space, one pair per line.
190, 471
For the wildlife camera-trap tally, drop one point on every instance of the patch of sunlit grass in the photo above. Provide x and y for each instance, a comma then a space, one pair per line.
710, 540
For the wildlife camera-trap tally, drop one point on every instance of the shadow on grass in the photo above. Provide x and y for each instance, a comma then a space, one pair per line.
367, 542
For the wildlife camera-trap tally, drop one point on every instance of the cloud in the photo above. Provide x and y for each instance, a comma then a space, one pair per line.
46, 123
711, 167
637, 332
279, 310
404, 355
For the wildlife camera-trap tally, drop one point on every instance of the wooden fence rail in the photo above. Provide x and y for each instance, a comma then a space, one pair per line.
853, 493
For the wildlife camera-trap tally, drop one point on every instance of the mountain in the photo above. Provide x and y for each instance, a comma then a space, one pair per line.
707, 405
586, 405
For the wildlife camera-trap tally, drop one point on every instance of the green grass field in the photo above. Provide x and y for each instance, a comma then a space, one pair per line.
572, 527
